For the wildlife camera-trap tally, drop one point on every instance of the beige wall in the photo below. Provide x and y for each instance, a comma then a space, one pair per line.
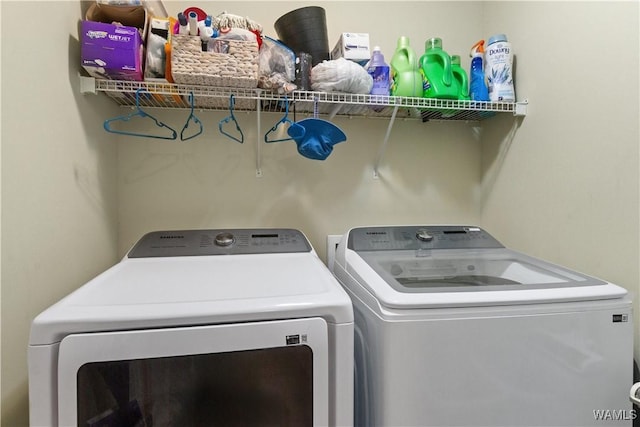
561, 184
212, 182
59, 170
567, 187
429, 172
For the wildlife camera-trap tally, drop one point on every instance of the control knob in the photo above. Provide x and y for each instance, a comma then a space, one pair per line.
224, 239
424, 235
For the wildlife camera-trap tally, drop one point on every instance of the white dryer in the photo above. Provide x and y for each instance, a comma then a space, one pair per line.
453, 329
199, 328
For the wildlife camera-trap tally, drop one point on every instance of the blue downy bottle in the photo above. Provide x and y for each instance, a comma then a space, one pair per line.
499, 69
478, 90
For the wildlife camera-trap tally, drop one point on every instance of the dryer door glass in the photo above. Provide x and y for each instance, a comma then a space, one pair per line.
263, 373
253, 387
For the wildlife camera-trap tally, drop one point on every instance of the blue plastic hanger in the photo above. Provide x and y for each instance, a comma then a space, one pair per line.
189, 119
295, 130
231, 118
139, 113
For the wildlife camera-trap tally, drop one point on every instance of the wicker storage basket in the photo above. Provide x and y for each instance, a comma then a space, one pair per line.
190, 65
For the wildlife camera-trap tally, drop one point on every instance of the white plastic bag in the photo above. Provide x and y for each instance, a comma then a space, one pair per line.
340, 75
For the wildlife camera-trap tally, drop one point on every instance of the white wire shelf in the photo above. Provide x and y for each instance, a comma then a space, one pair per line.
169, 95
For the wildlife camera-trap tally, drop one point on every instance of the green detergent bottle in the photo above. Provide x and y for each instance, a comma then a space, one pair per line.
436, 68
460, 75
405, 74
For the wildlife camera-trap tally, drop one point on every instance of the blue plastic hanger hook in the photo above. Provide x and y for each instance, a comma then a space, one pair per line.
294, 130
231, 118
143, 114
192, 117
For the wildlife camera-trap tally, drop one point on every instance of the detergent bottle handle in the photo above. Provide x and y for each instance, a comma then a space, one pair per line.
448, 74
410, 55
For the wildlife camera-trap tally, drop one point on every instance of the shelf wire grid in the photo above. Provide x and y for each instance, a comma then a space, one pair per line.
170, 95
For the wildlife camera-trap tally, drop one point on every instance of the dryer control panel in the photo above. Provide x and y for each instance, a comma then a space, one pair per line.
220, 242
420, 237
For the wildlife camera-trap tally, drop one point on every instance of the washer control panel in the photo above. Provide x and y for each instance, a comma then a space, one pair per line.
220, 242
420, 237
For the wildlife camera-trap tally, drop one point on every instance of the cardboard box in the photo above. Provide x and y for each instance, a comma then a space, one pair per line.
111, 52
352, 46
129, 16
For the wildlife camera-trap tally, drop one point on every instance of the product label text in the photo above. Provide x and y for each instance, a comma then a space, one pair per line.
500, 50
117, 38
96, 34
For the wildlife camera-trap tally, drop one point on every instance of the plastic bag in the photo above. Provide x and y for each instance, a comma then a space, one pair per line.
276, 65
156, 56
277, 58
340, 75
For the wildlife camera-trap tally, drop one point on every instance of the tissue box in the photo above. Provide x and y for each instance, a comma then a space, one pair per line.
352, 46
111, 52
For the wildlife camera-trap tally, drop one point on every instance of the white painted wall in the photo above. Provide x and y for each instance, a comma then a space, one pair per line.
563, 185
59, 169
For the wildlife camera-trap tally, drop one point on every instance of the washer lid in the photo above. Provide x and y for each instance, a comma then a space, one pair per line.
409, 267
